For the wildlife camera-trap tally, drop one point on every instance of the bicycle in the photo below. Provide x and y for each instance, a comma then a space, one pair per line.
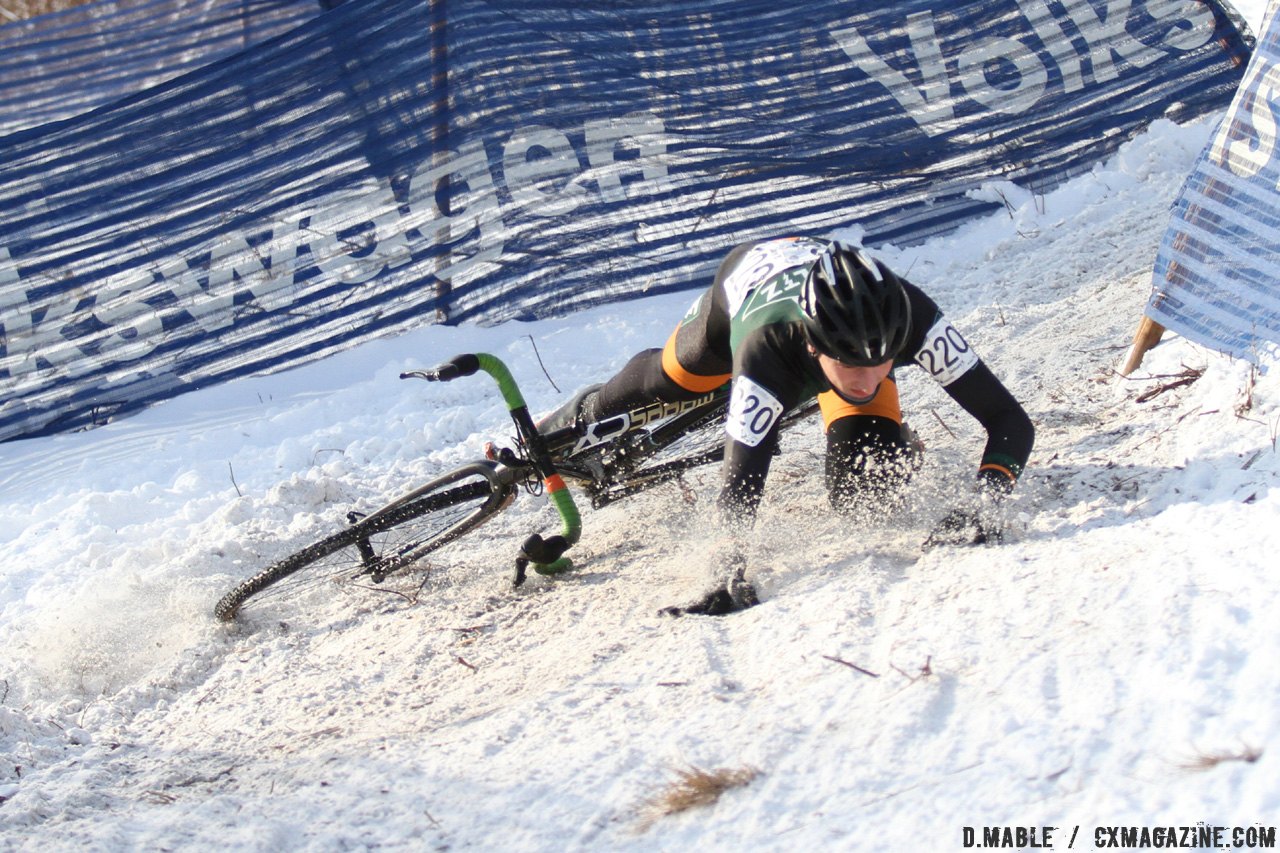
608, 459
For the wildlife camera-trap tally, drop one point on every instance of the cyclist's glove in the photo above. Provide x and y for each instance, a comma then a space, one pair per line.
734, 596
977, 524
963, 527
734, 593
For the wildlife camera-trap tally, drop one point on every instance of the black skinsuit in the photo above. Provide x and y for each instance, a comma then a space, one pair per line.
747, 328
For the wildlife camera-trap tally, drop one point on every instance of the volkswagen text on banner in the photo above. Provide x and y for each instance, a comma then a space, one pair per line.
393, 163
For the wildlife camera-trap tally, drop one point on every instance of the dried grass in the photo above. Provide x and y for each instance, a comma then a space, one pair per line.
1209, 760
693, 788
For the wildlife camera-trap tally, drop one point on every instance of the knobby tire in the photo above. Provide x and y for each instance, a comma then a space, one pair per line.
472, 497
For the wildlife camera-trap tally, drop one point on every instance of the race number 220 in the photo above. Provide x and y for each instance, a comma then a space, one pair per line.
945, 354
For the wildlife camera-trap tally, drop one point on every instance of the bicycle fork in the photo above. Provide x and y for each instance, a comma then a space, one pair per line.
377, 565
545, 554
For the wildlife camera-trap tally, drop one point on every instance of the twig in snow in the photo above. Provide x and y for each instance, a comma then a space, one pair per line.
1055, 775
1163, 431
469, 666
934, 412
233, 480
1246, 404
331, 730
204, 780
1209, 760
693, 788
686, 491
1187, 376
1008, 207
925, 671
412, 599
540, 364
852, 666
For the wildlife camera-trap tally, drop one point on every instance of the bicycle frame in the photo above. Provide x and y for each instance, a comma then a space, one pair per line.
600, 475
616, 426
557, 455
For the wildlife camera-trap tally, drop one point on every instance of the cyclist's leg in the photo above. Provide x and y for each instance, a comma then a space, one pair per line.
697, 357
869, 456
581, 404
695, 360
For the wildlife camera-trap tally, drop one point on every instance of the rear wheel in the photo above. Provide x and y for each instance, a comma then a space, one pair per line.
376, 545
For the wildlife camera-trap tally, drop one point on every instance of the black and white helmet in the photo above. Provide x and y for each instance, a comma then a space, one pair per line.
856, 310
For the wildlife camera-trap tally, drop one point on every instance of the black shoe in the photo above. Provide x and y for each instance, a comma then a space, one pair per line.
964, 527
572, 411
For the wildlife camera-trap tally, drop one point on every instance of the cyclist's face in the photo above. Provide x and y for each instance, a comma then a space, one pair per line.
854, 383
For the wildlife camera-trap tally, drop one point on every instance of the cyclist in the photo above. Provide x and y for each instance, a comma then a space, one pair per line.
786, 320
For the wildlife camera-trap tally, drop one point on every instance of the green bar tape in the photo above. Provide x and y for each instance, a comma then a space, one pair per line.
569, 512
572, 530
493, 366
561, 498
559, 567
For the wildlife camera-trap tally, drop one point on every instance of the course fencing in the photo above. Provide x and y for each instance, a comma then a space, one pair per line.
56, 66
1217, 274
399, 162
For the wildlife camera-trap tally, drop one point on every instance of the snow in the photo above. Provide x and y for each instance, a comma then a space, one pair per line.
1109, 664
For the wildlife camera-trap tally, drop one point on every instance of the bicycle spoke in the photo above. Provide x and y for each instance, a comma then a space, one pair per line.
387, 544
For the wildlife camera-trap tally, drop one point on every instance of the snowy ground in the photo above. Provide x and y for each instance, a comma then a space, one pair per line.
1108, 665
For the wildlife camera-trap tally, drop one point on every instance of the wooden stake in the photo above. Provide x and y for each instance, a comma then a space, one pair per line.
1148, 335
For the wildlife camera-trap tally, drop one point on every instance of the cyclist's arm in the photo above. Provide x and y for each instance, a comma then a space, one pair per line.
742, 485
769, 379
946, 356
1010, 433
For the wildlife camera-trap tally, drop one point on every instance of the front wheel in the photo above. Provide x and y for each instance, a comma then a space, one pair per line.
383, 542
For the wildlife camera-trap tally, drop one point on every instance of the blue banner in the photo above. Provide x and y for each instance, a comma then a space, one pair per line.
63, 64
394, 163
1217, 274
